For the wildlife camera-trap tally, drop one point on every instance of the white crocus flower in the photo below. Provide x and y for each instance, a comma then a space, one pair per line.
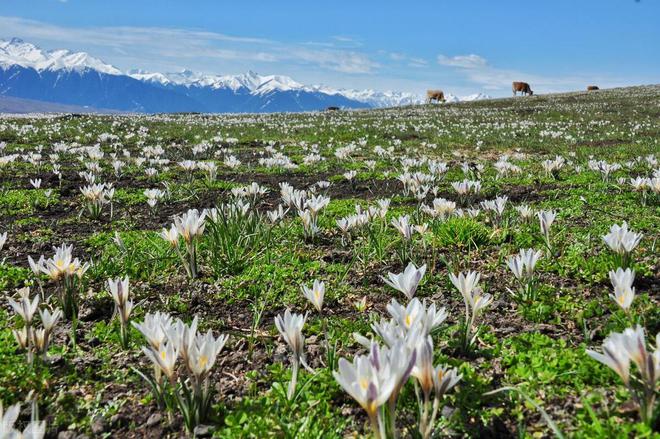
203, 352
316, 203
391, 331
522, 265
154, 328
190, 224
422, 228
368, 384
276, 215
36, 267
48, 319
546, 218
407, 281
402, 224
423, 370
164, 357
25, 307
290, 327
33, 430
400, 358
441, 208
22, 337
622, 241
475, 301
414, 317
525, 212
465, 284
153, 195
171, 235
615, 355
315, 294
634, 342
444, 379
183, 335
619, 350
624, 292
119, 290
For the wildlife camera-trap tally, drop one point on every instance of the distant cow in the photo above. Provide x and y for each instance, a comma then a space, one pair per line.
435, 95
592, 88
522, 87
332, 109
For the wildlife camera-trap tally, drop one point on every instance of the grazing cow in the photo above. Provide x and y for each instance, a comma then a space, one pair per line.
522, 87
592, 88
435, 95
332, 109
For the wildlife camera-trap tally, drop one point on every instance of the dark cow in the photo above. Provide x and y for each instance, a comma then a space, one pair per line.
522, 87
332, 109
592, 88
435, 95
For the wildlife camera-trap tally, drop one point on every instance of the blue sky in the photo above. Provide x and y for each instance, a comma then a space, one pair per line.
461, 46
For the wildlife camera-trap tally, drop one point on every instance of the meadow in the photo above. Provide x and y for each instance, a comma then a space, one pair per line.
485, 269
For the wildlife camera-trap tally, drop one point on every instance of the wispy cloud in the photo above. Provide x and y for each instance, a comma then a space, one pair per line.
171, 45
404, 59
478, 70
333, 59
417, 62
462, 61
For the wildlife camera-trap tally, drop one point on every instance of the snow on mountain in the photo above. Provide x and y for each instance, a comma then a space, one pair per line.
18, 52
382, 99
475, 97
144, 76
378, 99
253, 82
260, 85
277, 83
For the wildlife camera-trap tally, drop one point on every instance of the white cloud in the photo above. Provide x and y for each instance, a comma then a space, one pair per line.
404, 59
471, 61
162, 46
417, 62
337, 60
477, 70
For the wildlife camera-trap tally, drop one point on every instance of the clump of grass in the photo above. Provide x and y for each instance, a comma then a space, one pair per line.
236, 237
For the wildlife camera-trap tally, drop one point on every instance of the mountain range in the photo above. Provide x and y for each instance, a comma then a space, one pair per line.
79, 79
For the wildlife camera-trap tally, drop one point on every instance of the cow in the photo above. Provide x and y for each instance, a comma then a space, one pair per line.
592, 88
435, 95
332, 109
522, 87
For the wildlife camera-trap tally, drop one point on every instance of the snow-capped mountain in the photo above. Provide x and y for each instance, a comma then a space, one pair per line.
251, 81
18, 52
380, 99
77, 78
260, 85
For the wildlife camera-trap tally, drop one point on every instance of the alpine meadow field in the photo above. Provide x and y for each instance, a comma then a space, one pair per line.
476, 269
